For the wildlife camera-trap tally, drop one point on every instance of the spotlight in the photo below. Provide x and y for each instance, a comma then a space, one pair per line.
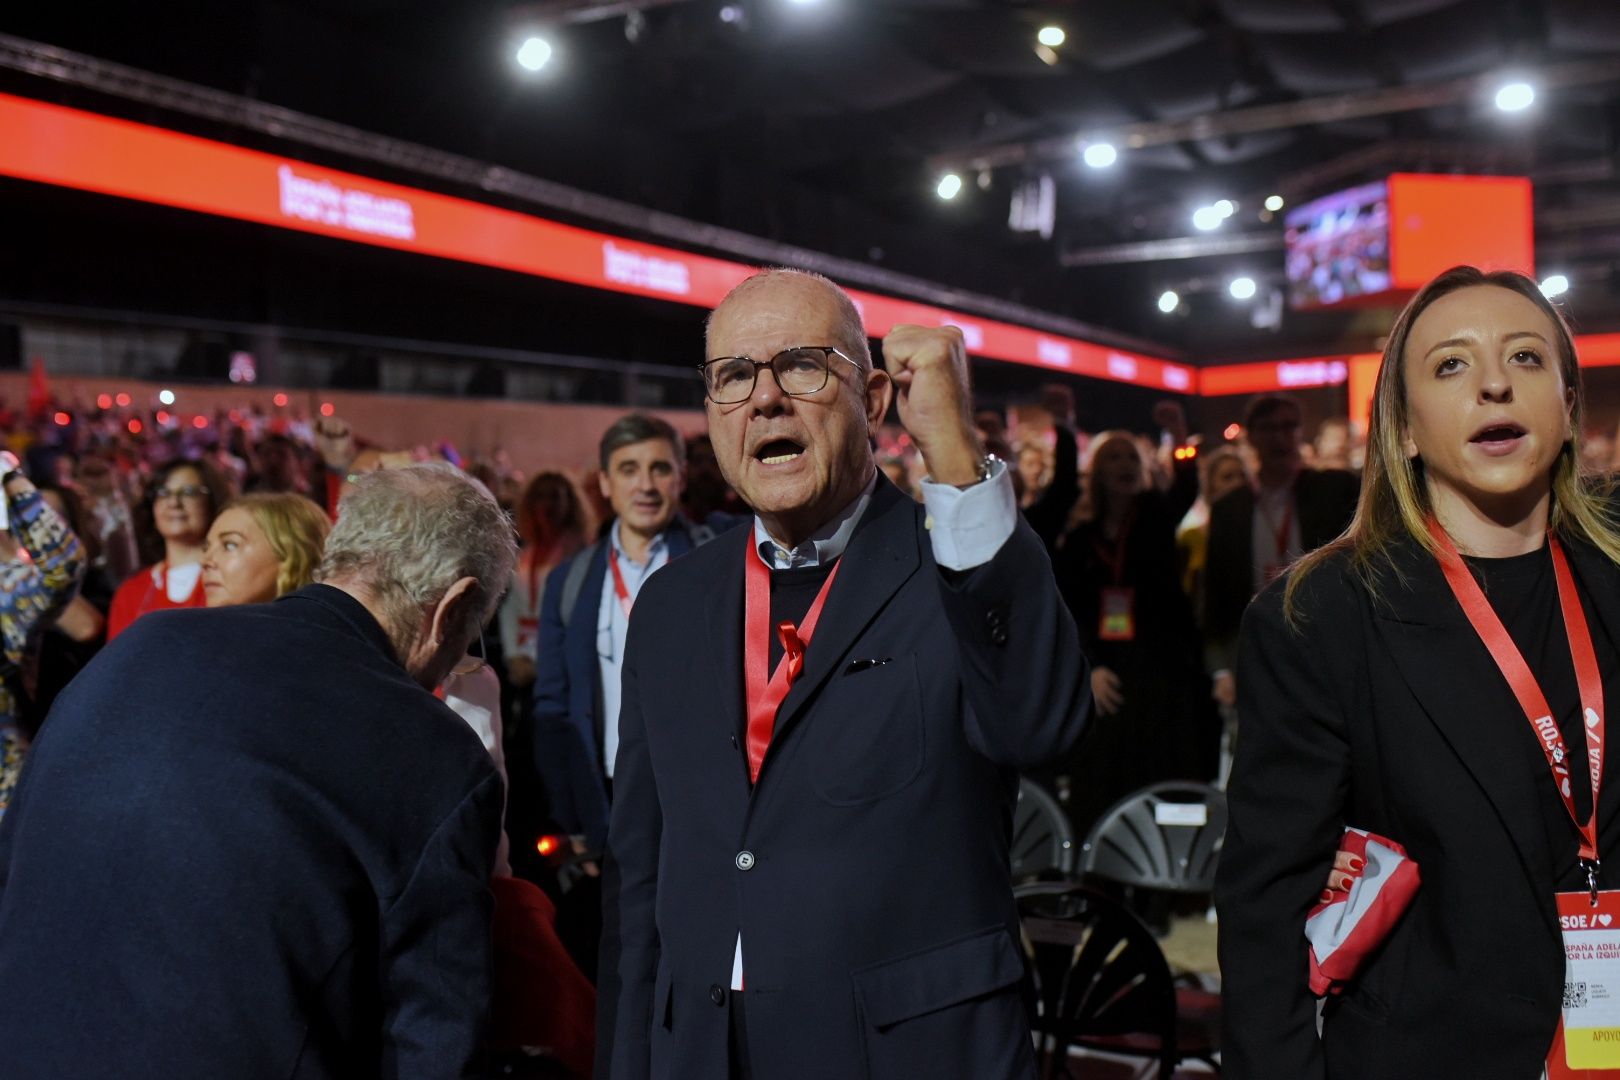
1051, 36
1207, 218
1100, 155
104, 402
1242, 288
1169, 301
1515, 97
1226, 208
280, 401
732, 14
327, 408
135, 427
123, 401
1232, 432
166, 396
534, 53
199, 421
1274, 203
1556, 285
950, 186
63, 419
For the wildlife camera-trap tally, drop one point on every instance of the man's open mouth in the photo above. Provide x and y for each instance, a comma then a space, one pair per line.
778, 452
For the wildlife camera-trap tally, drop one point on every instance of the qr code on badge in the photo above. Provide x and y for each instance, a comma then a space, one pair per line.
1575, 995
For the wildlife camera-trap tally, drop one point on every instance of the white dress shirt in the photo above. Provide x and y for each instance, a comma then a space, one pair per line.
966, 527
1272, 506
612, 625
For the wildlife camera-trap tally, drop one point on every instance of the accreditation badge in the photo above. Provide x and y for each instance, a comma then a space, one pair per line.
1587, 1044
1118, 620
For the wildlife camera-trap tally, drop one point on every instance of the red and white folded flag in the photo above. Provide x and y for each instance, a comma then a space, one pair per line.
1348, 927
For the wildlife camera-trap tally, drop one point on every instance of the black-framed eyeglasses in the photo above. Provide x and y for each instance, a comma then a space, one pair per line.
801, 370
189, 491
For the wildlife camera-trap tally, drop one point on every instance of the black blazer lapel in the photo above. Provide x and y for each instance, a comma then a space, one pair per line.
1456, 682
881, 557
724, 613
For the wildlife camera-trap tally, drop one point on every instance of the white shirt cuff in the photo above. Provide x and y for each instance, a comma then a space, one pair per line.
967, 526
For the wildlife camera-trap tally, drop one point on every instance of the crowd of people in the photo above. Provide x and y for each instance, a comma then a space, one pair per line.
259, 843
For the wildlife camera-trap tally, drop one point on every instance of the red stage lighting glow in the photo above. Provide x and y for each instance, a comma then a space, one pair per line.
199, 422
123, 401
327, 408
104, 401
1232, 432
63, 419
135, 427
162, 416
280, 401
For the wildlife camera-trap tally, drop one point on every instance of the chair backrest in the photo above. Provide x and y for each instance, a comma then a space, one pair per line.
1094, 971
1042, 838
1166, 836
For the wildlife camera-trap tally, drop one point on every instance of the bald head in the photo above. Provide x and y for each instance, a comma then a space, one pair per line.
788, 288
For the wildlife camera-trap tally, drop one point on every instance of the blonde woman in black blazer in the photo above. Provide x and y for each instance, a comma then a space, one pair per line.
1369, 700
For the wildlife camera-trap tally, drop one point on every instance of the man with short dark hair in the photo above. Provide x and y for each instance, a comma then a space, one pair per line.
585, 615
822, 720
1255, 533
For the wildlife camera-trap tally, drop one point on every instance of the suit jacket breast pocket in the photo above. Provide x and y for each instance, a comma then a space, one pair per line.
864, 736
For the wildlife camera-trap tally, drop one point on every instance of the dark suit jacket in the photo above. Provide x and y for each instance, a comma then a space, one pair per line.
878, 927
568, 693
1326, 501
1391, 716
246, 845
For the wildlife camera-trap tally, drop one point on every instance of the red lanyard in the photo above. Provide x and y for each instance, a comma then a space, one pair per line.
619, 588
1281, 534
1528, 691
765, 694
1115, 560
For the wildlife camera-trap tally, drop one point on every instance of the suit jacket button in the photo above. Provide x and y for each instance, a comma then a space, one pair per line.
717, 994
745, 860
998, 636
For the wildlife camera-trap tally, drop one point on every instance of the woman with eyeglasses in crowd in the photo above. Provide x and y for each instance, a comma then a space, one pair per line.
183, 498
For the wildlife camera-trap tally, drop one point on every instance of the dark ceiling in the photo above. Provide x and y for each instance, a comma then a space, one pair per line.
827, 124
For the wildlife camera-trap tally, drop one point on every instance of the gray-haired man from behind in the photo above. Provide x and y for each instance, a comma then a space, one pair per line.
250, 843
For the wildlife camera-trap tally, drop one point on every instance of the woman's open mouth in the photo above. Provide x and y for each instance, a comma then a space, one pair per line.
1498, 439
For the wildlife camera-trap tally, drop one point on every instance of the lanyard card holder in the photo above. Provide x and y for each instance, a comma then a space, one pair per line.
1587, 1044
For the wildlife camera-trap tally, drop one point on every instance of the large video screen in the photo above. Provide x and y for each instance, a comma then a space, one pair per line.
1339, 247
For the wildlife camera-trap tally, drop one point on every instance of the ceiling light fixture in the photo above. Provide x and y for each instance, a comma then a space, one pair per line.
534, 53
1555, 285
1051, 36
950, 186
1242, 288
1207, 218
1274, 203
1100, 155
1515, 97
1169, 301
1226, 208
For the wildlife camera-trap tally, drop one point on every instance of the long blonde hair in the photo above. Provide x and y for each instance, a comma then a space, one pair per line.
1394, 503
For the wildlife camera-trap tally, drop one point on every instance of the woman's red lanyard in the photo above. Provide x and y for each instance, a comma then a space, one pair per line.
626, 602
766, 692
1528, 691
1114, 560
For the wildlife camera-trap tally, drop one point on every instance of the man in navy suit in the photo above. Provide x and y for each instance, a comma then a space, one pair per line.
585, 616
821, 726
250, 844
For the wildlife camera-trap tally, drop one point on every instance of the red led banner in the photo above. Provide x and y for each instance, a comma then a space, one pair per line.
66, 147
